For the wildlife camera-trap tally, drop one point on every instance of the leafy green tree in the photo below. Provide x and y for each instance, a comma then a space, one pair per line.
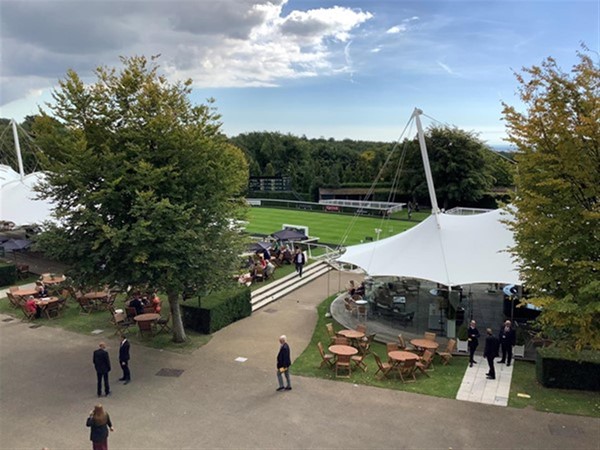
556, 225
146, 185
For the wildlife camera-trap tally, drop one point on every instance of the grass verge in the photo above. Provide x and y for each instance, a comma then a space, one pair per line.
563, 401
72, 320
444, 381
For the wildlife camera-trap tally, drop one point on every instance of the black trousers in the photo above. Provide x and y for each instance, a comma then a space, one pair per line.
104, 376
472, 348
299, 268
492, 372
506, 353
126, 372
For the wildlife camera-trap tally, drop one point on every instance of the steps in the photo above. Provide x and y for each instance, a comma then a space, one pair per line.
280, 288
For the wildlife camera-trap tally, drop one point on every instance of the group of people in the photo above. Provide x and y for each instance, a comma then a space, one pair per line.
31, 304
140, 302
505, 341
263, 263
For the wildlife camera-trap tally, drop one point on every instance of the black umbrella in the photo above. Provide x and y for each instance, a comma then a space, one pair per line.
259, 246
289, 235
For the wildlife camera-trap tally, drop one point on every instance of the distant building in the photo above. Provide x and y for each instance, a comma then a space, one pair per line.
269, 184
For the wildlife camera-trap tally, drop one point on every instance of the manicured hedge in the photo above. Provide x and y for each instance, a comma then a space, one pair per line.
557, 368
217, 310
8, 274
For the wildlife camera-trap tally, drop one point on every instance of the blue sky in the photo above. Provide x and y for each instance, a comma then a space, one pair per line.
347, 69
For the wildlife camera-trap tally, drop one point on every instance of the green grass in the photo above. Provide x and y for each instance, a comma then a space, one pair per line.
561, 401
328, 227
444, 381
71, 320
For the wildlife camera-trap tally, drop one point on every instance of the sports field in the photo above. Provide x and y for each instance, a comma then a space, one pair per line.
328, 227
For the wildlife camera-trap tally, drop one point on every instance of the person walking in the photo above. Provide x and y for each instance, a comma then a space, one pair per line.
508, 338
102, 365
490, 352
124, 359
472, 341
283, 364
299, 260
100, 424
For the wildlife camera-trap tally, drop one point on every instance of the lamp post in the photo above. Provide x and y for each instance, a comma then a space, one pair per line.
377, 232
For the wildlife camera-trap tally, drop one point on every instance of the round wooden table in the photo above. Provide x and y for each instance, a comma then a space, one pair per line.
351, 334
401, 356
25, 292
343, 350
45, 301
425, 344
146, 317
96, 295
54, 280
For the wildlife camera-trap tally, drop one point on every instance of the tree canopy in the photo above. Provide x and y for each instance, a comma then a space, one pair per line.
145, 183
557, 229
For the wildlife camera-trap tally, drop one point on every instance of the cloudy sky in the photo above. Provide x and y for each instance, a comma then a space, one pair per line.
343, 69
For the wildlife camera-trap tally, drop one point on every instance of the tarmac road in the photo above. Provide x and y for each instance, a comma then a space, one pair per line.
47, 388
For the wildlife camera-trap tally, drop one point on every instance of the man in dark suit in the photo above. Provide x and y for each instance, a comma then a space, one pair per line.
283, 364
490, 352
508, 338
472, 341
102, 365
124, 359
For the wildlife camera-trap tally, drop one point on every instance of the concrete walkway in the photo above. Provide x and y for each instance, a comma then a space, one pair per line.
475, 387
47, 388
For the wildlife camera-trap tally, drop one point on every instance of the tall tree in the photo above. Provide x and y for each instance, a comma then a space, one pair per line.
557, 220
145, 184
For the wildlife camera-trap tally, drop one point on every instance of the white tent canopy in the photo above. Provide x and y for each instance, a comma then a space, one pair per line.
461, 250
18, 200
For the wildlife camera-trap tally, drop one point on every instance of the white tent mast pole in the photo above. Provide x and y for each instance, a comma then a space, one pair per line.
434, 205
17, 147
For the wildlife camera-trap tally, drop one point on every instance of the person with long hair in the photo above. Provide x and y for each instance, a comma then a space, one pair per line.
100, 424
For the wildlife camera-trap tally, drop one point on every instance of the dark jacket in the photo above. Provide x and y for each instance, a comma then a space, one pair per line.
98, 433
101, 361
124, 351
507, 337
283, 357
473, 336
491, 347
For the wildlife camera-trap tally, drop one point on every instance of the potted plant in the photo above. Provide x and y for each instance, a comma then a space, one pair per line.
519, 348
461, 339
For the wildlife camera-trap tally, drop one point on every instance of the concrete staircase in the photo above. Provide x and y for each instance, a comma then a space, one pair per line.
277, 289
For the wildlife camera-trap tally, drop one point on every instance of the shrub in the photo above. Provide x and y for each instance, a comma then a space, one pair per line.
559, 368
8, 274
217, 310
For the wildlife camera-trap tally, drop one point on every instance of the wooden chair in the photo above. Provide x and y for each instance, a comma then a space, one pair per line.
86, 305
28, 315
446, 355
359, 361
401, 342
15, 301
327, 358
330, 331
341, 340
121, 323
361, 311
425, 363
130, 312
391, 347
362, 328
163, 323
407, 369
383, 367
350, 306
364, 345
343, 362
52, 310
146, 326
430, 336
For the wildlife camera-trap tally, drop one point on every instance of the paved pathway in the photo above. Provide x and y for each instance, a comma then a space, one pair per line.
475, 387
47, 387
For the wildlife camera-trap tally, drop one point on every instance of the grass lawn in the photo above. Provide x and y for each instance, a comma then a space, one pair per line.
444, 380
71, 320
328, 227
562, 401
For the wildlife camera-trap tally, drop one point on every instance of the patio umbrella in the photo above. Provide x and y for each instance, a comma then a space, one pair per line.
289, 235
259, 246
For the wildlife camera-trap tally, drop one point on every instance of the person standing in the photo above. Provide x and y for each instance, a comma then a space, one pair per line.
100, 424
283, 364
102, 365
472, 341
490, 352
508, 338
124, 359
299, 260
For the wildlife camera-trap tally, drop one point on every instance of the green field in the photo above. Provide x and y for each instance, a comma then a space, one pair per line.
328, 227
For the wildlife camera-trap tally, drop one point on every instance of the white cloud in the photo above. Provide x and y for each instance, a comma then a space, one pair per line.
446, 68
396, 29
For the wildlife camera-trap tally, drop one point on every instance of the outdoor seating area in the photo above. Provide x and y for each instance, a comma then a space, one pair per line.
350, 350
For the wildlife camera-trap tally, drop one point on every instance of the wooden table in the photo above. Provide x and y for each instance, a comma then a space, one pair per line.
342, 350
53, 280
351, 334
43, 303
96, 295
25, 292
401, 356
425, 344
148, 317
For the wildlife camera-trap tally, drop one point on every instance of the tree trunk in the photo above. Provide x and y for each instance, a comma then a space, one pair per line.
178, 330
